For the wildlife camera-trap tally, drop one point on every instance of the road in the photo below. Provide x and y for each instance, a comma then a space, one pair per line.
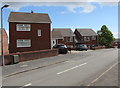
78, 71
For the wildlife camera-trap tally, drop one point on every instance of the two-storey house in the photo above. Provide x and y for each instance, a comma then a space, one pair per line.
86, 36
68, 37
29, 32
116, 43
56, 37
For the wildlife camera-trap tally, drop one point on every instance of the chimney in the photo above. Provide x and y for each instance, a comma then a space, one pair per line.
32, 11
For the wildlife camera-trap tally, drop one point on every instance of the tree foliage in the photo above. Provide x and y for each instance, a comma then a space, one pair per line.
105, 36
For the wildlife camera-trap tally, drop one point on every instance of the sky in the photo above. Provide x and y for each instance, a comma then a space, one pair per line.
70, 14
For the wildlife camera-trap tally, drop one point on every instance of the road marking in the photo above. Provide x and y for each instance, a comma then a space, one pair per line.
19, 72
70, 69
102, 74
26, 85
23, 65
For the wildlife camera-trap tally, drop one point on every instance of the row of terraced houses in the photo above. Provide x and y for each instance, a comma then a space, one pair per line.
32, 31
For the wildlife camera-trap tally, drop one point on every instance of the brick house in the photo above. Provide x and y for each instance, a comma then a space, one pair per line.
67, 37
56, 37
86, 36
29, 32
5, 42
116, 42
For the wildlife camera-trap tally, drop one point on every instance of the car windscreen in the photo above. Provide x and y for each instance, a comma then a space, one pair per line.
82, 45
62, 46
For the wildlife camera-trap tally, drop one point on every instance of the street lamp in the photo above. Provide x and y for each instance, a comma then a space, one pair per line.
5, 6
2, 40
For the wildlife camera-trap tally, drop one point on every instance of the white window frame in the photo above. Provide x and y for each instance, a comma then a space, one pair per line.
23, 27
93, 38
85, 38
70, 40
23, 41
39, 32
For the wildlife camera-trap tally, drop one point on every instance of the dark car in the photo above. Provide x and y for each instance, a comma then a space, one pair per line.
81, 47
61, 48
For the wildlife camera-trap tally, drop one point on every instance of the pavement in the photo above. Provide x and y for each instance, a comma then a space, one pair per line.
82, 68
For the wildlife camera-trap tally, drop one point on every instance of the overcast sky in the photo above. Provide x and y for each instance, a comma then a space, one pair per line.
90, 14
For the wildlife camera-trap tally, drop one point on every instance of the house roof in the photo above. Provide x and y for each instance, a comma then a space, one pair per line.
87, 32
117, 40
29, 17
56, 35
65, 31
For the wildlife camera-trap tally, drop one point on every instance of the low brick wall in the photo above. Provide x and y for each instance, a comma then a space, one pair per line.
98, 47
32, 55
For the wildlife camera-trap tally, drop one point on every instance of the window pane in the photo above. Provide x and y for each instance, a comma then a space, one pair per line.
93, 38
23, 27
23, 43
39, 32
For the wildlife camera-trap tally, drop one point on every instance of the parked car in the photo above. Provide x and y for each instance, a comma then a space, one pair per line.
62, 49
81, 47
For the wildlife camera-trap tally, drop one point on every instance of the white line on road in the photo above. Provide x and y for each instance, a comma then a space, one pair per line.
102, 74
70, 69
26, 85
23, 65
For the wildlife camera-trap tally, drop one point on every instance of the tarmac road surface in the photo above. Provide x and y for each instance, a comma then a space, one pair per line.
78, 71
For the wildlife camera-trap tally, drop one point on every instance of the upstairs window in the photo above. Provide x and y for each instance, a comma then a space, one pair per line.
39, 32
69, 39
93, 38
23, 27
86, 38
23, 43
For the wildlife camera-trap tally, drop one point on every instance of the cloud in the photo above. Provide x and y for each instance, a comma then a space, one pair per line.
62, 12
71, 5
116, 34
88, 8
59, 0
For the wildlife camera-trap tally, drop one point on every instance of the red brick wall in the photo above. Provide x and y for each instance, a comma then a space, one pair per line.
32, 55
37, 55
37, 42
5, 42
116, 44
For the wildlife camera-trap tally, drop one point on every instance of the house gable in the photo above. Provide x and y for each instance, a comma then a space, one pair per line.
85, 36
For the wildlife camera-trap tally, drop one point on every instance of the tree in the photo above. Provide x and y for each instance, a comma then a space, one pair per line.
105, 36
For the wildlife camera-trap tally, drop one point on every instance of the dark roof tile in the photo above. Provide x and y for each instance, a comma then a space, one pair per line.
29, 17
65, 31
87, 32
